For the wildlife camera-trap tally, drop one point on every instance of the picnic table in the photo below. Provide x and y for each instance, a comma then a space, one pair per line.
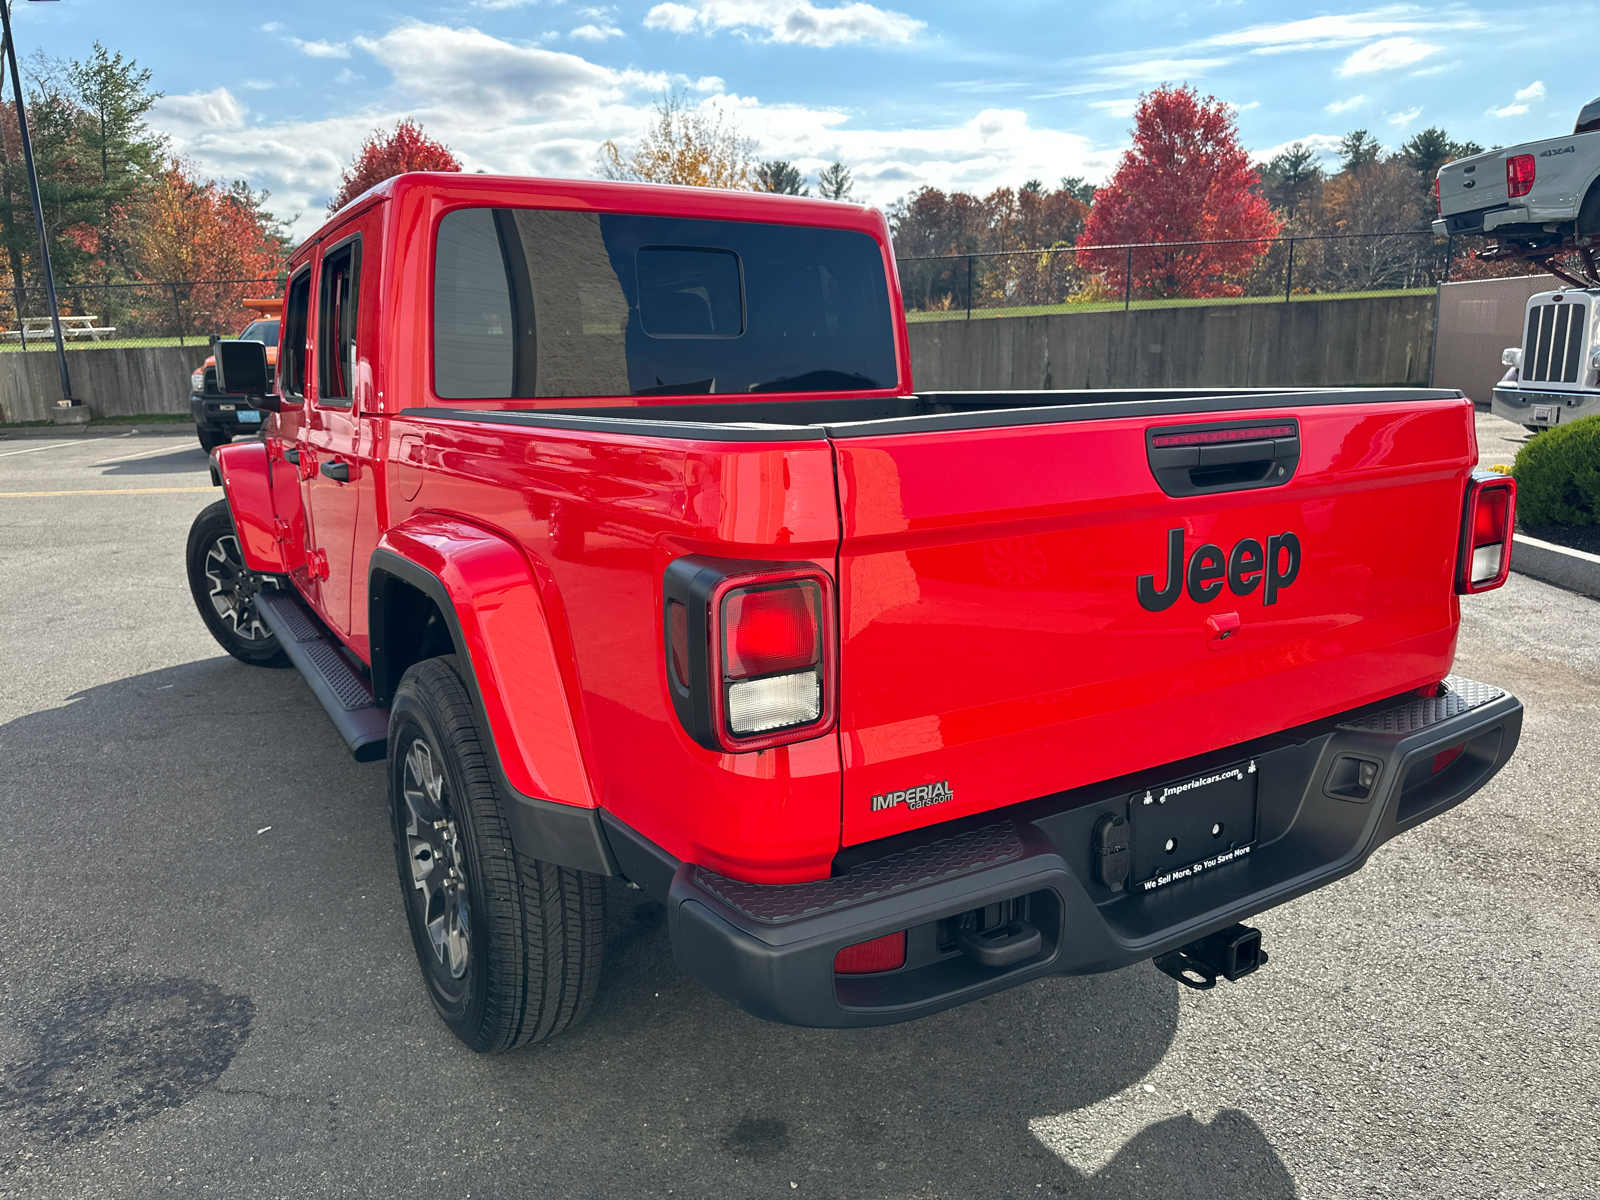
42, 328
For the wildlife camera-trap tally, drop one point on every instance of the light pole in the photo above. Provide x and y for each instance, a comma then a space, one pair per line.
38, 209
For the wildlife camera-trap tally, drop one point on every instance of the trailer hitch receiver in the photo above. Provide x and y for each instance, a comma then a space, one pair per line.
1230, 954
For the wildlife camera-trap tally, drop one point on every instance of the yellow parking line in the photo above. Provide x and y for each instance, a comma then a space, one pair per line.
105, 492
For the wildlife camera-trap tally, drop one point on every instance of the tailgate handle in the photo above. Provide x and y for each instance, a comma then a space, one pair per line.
1229, 456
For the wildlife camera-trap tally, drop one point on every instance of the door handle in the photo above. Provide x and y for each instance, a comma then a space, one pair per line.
337, 471
292, 455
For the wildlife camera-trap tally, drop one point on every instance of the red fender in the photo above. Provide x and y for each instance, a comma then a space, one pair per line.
246, 475
500, 616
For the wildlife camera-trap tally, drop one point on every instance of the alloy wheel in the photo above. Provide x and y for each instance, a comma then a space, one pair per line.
437, 869
233, 590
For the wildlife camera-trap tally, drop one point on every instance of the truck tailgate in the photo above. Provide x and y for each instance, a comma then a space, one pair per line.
993, 644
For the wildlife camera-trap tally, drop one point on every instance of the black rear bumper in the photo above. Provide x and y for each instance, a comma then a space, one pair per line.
770, 949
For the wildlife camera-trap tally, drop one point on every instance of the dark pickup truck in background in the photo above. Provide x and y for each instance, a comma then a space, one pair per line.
610, 515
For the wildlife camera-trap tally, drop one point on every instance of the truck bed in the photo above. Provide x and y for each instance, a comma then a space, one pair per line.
921, 412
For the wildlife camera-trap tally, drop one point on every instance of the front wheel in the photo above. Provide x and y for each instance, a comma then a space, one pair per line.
210, 439
225, 590
510, 947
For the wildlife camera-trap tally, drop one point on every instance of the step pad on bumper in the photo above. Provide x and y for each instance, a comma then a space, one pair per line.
1462, 695
338, 686
948, 858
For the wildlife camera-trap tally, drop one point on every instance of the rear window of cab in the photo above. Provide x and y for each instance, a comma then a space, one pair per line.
533, 303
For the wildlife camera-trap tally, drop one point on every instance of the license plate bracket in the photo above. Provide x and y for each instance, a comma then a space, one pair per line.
1192, 824
1544, 414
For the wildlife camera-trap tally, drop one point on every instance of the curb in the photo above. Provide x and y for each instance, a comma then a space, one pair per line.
1574, 570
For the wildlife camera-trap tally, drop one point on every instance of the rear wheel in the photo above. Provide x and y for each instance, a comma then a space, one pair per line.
510, 947
225, 590
1589, 215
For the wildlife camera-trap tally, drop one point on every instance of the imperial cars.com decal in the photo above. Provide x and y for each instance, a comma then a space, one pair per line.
915, 797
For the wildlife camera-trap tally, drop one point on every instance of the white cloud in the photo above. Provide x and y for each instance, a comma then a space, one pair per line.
1519, 102
1344, 106
1239, 108
1405, 117
272, 27
322, 49
1116, 108
596, 33
522, 110
1324, 145
200, 111
257, 85
497, 5
1386, 56
1162, 70
797, 21
1334, 32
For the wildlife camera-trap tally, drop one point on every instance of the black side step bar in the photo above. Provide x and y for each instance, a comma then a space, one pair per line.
333, 681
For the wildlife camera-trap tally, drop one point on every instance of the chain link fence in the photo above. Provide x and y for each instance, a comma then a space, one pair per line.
109, 315
1067, 278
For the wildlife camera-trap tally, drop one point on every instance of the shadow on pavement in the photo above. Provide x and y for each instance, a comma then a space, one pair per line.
181, 460
202, 827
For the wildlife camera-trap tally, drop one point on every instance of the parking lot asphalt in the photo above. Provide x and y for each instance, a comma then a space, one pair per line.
208, 987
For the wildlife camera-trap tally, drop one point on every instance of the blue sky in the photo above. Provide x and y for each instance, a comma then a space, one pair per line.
968, 96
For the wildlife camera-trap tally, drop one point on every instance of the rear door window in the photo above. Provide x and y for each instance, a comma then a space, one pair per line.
336, 324
292, 353
531, 303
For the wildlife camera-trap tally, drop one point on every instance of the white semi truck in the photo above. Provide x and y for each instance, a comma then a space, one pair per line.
1555, 373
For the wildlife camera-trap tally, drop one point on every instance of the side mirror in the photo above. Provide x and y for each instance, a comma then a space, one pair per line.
242, 370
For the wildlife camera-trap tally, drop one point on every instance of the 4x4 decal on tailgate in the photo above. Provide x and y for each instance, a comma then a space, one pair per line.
1244, 567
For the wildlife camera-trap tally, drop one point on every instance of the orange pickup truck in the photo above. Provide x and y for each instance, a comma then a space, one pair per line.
218, 417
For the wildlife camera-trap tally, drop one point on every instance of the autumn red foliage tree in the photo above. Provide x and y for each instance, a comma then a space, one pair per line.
1185, 179
206, 236
384, 155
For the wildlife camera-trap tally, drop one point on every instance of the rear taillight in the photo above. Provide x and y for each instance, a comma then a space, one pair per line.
772, 657
1519, 174
887, 953
749, 650
1438, 205
1485, 555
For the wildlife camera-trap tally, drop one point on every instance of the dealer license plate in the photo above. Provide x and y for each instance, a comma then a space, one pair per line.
1544, 414
1184, 828
248, 414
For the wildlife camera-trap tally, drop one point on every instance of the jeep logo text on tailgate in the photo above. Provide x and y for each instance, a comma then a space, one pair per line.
1244, 568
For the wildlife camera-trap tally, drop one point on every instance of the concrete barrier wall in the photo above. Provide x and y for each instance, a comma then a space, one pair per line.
1334, 343
1337, 342
114, 382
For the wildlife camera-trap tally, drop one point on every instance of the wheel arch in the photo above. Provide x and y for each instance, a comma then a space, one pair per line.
433, 578
245, 473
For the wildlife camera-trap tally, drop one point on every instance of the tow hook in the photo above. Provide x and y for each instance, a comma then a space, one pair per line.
1230, 953
1001, 946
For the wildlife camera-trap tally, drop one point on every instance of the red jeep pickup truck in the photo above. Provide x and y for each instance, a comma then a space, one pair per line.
609, 514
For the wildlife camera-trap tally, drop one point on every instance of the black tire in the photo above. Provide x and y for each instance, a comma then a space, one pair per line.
1534, 428
224, 590
210, 438
510, 947
1588, 222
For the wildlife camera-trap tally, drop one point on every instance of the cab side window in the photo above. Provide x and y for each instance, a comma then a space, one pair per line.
292, 350
336, 324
